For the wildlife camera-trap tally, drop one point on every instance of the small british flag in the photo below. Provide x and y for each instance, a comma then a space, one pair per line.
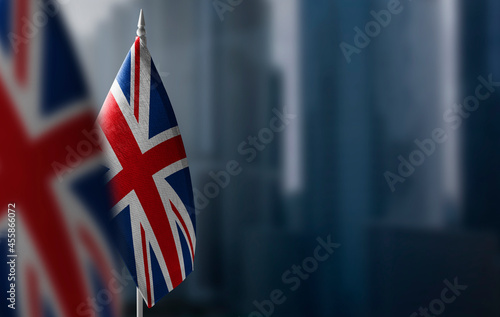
149, 178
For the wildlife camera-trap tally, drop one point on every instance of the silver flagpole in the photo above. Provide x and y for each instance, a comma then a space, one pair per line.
141, 27
141, 31
140, 302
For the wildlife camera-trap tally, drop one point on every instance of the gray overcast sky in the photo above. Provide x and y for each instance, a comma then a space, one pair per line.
84, 17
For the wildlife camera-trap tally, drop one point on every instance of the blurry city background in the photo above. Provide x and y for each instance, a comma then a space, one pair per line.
230, 66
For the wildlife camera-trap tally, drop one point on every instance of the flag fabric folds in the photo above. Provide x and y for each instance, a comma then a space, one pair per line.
148, 176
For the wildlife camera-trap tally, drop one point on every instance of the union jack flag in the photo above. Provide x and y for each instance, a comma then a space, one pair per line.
63, 258
148, 177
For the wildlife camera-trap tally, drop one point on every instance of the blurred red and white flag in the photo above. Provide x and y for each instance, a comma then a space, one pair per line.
49, 173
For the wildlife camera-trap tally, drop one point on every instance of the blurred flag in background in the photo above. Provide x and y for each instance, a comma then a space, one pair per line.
49, 172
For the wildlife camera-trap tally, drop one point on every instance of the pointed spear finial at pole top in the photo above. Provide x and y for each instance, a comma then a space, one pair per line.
141, 26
